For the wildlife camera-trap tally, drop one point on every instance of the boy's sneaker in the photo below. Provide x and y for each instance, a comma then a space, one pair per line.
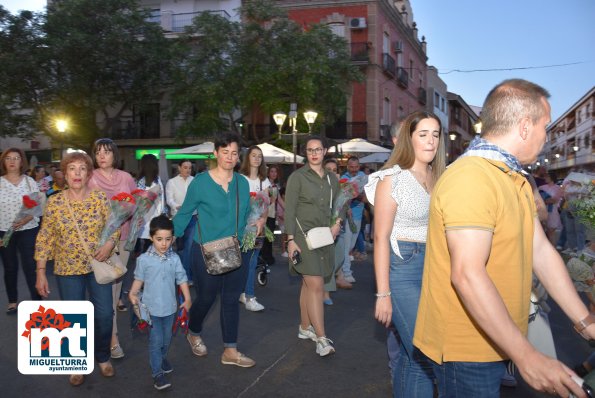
253, 305
307, 333
350, 279
242, 298
160, 382
324, 346
166, 366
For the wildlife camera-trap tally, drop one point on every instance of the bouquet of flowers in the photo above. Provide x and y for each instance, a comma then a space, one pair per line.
143, 322
349, 189
581, 272
144, 202
182, 317
259, 205
31, 207
122, 206
584, 205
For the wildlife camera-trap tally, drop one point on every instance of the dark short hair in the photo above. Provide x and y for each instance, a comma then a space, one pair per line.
352, 158
24, 163
225, 139
182, 161
149, 168
331, 160
76, 157
107, 145
316, 138
160, 222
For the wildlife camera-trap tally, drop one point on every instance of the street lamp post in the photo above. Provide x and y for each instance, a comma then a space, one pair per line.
61, 126
280, 117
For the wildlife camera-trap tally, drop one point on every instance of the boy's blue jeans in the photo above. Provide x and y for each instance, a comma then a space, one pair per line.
159, 340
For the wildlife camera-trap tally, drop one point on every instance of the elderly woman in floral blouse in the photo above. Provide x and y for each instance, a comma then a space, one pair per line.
59, 239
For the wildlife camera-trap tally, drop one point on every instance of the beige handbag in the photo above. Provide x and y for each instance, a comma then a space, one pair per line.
105, 271
317, 237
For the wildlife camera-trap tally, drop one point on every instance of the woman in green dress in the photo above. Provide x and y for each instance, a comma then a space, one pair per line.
308, 204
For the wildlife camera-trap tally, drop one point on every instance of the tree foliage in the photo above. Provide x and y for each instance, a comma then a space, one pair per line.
82, 59
262, 64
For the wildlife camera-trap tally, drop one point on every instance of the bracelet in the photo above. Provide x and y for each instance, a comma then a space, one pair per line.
581, 325
288, 240
380, 295
39, 269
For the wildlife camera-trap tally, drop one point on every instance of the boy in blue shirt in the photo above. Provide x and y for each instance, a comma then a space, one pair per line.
159, 269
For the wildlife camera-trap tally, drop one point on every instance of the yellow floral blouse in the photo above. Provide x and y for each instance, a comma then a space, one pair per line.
58, 238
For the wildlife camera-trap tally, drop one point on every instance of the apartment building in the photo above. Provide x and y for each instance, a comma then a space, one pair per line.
384, 42
461, 122
571, 139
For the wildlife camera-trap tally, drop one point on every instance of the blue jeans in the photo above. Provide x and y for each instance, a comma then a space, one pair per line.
75, 287
229, 286
412, 376
159, 341
23, 243
469, 379
186, 252
249, 290
350, 240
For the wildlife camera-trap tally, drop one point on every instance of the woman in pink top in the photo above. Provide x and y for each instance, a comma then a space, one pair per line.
109, 179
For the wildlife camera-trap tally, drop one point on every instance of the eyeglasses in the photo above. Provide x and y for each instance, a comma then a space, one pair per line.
313, 151
11, 158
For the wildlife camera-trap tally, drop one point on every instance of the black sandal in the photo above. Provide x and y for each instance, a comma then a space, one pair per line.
11, 309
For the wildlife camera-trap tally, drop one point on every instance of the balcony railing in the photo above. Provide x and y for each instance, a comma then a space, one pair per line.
421, 96
359, 52
347, 130
388, 64
402, 77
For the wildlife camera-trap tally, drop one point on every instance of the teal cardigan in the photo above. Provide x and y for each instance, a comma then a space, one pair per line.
216, 208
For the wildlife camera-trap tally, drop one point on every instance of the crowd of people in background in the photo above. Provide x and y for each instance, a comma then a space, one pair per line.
425, 225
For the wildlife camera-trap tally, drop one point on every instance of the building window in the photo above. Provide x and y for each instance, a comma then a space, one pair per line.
443, 106
386, 120
337, 28
436, 100
411, 69
386, 43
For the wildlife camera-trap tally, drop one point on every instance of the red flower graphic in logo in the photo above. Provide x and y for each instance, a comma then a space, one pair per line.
43, 319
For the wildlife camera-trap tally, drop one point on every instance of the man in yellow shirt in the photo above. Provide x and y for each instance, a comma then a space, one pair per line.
484, 240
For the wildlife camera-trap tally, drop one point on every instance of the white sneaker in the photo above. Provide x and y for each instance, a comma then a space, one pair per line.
253, 305
351, 258
284, 254
324, 346
307, 333
243, 298
350, 279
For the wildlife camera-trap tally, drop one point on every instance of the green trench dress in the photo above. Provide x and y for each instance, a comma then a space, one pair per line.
308, 197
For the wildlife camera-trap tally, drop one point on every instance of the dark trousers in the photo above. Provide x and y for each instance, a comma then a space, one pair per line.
229, 286
267, 247
23, 243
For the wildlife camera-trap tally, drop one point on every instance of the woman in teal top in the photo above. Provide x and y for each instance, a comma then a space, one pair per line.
213, 196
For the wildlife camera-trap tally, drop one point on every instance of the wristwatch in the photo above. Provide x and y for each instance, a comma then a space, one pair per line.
581, 325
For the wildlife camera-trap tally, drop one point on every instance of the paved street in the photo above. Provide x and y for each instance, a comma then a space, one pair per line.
286, 366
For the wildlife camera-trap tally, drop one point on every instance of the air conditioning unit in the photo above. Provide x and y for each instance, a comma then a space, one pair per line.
398, 46
357, 23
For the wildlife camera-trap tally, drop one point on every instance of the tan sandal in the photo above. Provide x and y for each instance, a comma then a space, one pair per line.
76, 380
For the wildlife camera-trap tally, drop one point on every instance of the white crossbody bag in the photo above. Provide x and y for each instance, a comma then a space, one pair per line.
318, 237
